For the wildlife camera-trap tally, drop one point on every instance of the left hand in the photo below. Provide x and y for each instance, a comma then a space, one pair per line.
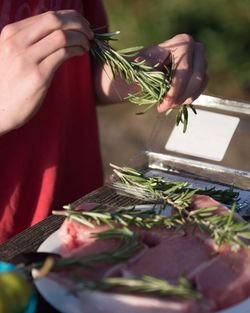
189, 78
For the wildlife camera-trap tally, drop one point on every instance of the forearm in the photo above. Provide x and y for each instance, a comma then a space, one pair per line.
107, 89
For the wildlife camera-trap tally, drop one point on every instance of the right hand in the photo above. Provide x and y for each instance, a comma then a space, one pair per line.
30, 52
189, 77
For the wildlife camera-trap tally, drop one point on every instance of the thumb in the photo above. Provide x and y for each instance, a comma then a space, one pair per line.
155, 55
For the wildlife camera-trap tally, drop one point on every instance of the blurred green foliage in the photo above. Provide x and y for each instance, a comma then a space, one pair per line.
223, 26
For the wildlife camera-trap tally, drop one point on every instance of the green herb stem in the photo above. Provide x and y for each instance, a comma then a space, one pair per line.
145, 284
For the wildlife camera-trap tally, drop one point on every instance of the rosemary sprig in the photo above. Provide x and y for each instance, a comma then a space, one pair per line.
176, 194
128, 246
113, 217
154, 84
126, 217
222, 228
225, 228
144, 284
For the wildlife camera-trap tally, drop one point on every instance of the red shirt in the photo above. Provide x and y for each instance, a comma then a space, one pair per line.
54, 159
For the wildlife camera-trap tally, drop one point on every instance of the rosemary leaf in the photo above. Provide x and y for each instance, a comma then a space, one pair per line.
155, 188
145, 284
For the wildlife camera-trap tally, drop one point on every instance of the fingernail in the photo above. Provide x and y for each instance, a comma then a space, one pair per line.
165, 105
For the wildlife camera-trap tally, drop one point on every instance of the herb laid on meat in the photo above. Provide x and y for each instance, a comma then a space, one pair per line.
117, 258
128, 246
122, 257
224, 229
154, 84
144, 284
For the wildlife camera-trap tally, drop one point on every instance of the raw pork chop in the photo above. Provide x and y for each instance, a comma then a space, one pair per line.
201, 202
171, 258
223, 278
110, 302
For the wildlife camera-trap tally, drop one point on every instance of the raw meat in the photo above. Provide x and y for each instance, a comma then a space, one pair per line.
73, 234
109, 302
201, 202
222, 277
225, 278
170, 259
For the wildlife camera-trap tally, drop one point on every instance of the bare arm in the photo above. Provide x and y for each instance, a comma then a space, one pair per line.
30, 52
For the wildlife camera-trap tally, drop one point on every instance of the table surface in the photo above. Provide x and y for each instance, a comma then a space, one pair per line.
30, 239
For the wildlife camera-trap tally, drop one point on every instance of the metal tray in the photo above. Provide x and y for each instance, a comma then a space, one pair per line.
198, 172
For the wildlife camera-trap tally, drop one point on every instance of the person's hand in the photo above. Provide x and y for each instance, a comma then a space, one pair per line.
30, 52
189, 78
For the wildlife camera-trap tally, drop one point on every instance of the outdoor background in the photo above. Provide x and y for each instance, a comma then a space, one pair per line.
222, 26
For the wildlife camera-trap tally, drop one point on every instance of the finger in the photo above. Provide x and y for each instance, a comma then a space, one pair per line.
154, 55
196, 94
165, 106
64, 15
49, 65
183, 58
35, 28
57, 40
13, 28
195, 83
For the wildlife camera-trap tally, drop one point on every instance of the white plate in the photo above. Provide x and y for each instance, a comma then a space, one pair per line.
64, 302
